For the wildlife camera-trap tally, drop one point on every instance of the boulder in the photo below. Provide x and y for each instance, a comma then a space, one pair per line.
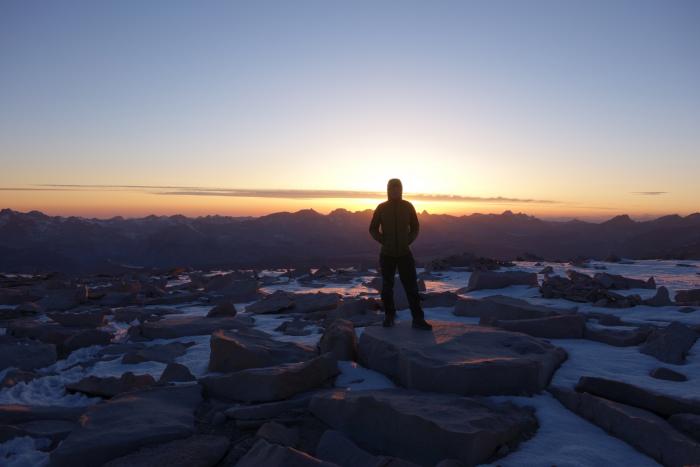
480, 280
617, 337
175, 373
271, 383
276, 302
63, 299
222, 309
189, 326
91, 319
439, 299
273, 455
645, 431
551, 327
335, 447
250, 348
404, 423
460, 358
66, 339
615, 281
667, 374
25, 354
311, 302
111, 386
195, 451
501, 307
340, 340
233, 287
688, 297
670, 344
661, 298
86, 338
163, 353
294, 327
128, 423
361, 312
129, 314
547, 270
635, 396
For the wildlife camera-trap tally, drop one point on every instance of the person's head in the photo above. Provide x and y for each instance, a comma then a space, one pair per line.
394, 189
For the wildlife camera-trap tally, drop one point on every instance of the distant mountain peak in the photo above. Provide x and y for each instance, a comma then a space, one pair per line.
621, 220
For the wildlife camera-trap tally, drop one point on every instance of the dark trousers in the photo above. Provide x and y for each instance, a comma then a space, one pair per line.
407, 273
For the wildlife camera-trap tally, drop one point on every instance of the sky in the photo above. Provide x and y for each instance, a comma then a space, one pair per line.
559, 109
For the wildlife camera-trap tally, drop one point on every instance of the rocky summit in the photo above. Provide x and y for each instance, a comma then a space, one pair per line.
183, 367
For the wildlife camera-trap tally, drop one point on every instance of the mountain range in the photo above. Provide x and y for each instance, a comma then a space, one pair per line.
33, 241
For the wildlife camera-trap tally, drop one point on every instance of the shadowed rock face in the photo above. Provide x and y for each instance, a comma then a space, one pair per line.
461, 359
403, 422
250, 348
196, 451
128, 423
272, 383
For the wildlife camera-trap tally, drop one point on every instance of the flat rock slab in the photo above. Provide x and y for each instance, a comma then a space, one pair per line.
460, 358
497, 307
25, 354
272, 383
636, 396
424, 428
127, 423
111, 386
171, 328
165, 353
552, 327
644, 430
250, 348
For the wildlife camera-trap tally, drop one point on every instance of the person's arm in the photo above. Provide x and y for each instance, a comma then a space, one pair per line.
374, 226
413, 224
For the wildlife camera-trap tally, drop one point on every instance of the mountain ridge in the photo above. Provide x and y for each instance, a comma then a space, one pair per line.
34, 241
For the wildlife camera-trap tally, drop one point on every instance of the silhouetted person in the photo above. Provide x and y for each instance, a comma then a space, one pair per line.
399, 228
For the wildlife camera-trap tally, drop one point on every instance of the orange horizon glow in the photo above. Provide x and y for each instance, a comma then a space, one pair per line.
108, 203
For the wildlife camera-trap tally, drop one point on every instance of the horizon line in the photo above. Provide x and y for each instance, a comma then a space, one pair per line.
645, 218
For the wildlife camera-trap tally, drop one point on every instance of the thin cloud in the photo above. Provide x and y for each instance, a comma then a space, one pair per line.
650, 193
291, 193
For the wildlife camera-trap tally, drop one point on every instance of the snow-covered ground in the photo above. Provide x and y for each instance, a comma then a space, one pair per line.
563, 439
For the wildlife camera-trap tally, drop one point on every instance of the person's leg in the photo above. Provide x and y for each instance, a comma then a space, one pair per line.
387, 266
407, 274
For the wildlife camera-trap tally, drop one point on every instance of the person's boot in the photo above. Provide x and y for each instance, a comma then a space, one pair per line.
388, 320
422, 324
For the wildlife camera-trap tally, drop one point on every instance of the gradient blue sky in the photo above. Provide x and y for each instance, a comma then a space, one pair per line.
564, 108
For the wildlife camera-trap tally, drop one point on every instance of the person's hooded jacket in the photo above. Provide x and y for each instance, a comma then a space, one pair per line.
399, 226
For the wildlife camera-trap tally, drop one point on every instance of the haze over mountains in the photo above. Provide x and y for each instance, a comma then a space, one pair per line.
36, 242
